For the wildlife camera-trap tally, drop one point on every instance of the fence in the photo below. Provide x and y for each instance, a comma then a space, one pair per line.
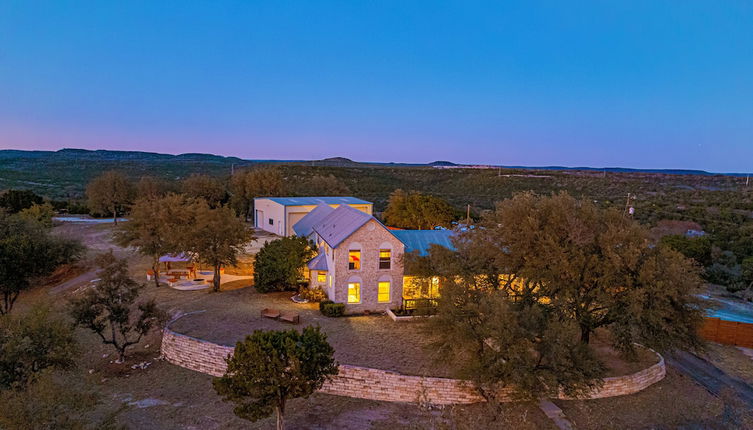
728, 332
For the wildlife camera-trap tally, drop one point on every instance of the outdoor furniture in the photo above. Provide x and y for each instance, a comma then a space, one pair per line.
290, 317
270, 313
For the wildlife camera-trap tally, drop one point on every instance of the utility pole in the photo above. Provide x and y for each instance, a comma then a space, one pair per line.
629, 209
468, 216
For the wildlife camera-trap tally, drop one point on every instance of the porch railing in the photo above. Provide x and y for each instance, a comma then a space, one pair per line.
421, 303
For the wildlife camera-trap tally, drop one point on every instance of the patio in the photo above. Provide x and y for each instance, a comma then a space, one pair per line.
181, 273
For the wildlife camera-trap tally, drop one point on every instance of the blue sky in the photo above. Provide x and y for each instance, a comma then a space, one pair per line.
652, 84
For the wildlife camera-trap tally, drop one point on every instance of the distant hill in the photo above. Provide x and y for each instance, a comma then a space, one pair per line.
63, 174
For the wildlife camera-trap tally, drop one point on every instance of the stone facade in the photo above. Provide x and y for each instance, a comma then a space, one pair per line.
369, 239
376, 384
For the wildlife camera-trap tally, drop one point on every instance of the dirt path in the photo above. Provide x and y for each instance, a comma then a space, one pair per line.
74, 283
711, 377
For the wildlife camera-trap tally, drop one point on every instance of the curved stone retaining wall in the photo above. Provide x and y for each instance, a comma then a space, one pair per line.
376, 384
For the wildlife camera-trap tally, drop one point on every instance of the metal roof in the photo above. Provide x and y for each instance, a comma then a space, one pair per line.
421, 240
304, 227
319, 262
313, 201
340, 224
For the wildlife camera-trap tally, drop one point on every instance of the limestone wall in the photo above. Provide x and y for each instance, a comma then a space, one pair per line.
376, 384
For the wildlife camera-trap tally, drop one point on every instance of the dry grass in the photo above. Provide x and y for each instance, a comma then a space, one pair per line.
731, 360
675, 402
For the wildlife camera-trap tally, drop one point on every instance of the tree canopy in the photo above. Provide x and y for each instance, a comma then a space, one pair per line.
270, 367
155, 227
417, 211
32, 343
321, 185
279, 263
246, 185
205, 187
14, 201
108, 308
216, 237
41, 213
548, 272
28, 251
109, 193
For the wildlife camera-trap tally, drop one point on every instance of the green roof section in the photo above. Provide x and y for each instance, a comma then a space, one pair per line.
421, 240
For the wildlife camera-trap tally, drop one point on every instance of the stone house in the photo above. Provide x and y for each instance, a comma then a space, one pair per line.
360, 261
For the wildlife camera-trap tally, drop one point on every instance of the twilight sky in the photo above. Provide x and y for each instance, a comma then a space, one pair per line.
664, 84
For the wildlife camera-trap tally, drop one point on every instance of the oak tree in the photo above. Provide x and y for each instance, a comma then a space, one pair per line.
110, 309
110, 192
269, 368
216, 237
279, 263
522, 294
155, 227
28, 251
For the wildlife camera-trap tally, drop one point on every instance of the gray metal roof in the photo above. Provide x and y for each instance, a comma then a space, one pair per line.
308, 201
421, 240
319, 262
304, 227
340, 224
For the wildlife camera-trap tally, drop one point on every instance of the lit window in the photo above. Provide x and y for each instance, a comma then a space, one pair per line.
354, 292
321, 277
354, 260
383, 294
434, 291
385, 258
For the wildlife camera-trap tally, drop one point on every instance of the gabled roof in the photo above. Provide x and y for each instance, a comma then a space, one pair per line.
421, 240
319, 262
304, 227
313, 201
340, 224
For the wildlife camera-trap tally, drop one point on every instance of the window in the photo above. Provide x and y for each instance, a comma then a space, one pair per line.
271, 221
383, 292
354, 292
354, 259
385, 258
321, 277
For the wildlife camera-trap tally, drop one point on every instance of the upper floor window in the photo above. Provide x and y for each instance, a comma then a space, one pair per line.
321, 277
385, 258
354, 259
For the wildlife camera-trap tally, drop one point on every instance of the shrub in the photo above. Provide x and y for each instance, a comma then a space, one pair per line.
331, 309
312, 294
279, 264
